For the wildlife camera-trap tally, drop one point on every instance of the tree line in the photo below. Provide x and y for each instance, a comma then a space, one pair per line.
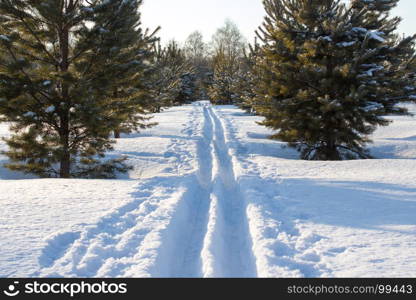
76, 74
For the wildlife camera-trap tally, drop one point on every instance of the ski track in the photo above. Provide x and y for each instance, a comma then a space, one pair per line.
230, 243
278, 246
185, 225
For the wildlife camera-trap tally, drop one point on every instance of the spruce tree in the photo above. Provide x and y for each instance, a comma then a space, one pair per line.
331, 73
69, 72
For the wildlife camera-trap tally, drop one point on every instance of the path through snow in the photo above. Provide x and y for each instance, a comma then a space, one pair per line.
177, 226
225, 205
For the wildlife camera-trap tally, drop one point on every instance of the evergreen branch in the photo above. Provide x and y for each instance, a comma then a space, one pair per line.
22, 19
309, 85
35, 58
360, 154
25, 74
40, 102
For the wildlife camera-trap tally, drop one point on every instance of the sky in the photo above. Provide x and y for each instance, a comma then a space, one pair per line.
180, 18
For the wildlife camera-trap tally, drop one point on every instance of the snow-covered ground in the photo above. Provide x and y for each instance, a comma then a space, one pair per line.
210, 196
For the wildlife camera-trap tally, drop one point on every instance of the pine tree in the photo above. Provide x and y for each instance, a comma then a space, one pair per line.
62, 63
412, 77
168, 68
331, 73
228, 46
225, 72
247, 79
187, 89
130, 97
196, 51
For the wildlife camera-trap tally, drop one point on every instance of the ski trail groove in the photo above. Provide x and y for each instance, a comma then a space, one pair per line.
277, 250
186, 260
228, 243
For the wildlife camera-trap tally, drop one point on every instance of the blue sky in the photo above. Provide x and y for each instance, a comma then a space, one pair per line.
179, 18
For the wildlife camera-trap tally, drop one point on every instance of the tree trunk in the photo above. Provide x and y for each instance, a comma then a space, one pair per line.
65, 162
331, 151
117, 134
65, 171
65, 159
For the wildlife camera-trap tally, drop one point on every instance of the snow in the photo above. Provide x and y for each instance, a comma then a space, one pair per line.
373, 106
371, 34
88, 9
370, 72
103, 30
326, 38
359, 30
211, 196
29, 114
4, 38
346, 44
50, 109
331, 219
376, 35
